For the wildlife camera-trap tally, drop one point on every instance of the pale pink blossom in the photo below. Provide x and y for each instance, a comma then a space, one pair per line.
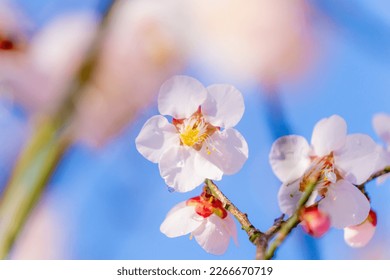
13, 40
381, 124
344, 161
205, 218
261, 40
359, 235
200, 142
38, 71
140, 50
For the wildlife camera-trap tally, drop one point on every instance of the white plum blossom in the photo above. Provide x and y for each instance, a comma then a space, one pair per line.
205, 218
359, 235
344, 161
194, 146
381, 124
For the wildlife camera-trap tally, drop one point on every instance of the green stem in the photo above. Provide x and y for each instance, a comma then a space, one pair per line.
41, 156
292, 222
28, 182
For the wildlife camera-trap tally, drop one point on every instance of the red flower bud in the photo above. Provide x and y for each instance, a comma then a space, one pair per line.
314, 222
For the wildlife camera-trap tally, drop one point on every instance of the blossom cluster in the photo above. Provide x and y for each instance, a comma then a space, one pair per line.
344, 163
194, 138
198, 143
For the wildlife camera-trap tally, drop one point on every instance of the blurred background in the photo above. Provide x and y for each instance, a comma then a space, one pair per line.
294, 61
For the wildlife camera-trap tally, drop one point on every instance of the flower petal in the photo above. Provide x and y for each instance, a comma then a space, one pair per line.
289, 157
226, 149
358, 236
288, 197
206, 169
181, 96
357, 159
181, 220
383, 158
345, 204
224, 106
381, 124
156, 136
329, 135
214, 235
177, 168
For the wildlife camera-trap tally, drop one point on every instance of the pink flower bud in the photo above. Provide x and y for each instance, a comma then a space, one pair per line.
359, 235
314, 222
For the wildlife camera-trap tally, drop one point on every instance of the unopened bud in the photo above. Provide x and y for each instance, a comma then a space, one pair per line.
314, 222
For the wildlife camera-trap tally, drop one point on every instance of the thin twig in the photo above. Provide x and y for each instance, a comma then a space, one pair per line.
40, 157
382, 172
310, 181
257, 237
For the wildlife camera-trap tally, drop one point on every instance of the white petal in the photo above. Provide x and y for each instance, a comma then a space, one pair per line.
181, 220
289, 157
224, 106
358, 236
329, 135
156, 136
383, 158
381, 123
178, 170
226, 149
181, 96
357, 159
288, 197
231, 228
206, 169
214, 235
345, 204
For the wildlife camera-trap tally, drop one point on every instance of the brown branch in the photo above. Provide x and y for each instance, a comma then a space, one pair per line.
257, 237
280, 227
293, 221
382, 172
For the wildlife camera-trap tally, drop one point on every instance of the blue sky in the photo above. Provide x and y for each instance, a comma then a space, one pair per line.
112, 202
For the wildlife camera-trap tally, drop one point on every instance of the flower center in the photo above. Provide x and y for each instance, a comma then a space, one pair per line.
327, 174
206, 205
194, 130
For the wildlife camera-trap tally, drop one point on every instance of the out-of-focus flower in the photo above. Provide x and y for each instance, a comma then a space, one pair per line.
13, 28
314, 221
44, 235
359, 235
38, 71
381, 124
206, 219
142, 48
193, 147
344, 161
262, 40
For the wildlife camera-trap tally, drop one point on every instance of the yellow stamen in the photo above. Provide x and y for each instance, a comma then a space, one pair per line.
190, 136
